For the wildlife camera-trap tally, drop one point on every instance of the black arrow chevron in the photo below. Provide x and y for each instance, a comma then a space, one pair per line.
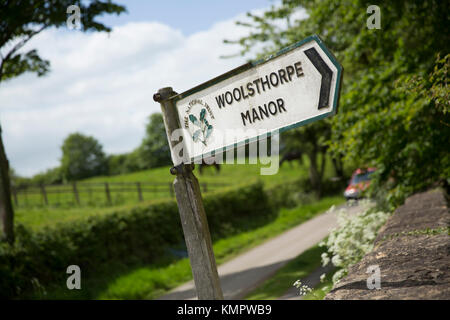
327, 74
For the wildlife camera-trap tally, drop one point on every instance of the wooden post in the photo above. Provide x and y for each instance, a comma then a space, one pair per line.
108, 194
192, 212
25, 193
75, 193
44, 195
139, 190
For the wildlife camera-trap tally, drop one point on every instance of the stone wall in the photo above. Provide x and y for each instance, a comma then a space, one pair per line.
412, 251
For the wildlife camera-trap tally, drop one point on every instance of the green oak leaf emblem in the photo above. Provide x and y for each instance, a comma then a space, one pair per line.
204, 128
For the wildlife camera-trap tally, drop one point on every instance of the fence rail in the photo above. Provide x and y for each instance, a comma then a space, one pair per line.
91, 193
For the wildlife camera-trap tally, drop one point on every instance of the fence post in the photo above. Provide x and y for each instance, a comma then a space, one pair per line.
44, 195
25, 193
138, 185
75, 193
108, 194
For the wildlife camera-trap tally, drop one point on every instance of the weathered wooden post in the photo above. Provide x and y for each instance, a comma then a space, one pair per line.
44, 195
25, 193
139, 190
108, 194
75, 193
192, 212
298, 85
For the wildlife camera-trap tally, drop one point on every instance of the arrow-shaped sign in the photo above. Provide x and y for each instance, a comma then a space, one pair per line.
327, 74
298, 85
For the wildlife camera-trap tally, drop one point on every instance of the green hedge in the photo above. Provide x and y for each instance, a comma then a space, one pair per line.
141, 234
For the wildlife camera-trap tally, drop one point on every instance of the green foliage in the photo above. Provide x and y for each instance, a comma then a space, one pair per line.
393, 110
352, 239
32, 212
152, 153
282, 280
404, 133
321, 290
154, 150
15, 179
116, 164
23, 62
140, 234
82, 158
132, 162
311, 140
50, 176
21, 20
153, 280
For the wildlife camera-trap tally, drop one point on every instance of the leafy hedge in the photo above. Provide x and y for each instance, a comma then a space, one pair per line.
141, 234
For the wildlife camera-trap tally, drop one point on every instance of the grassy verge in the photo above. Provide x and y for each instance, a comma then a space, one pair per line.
319, 292
151, 281
284, 278
297, 269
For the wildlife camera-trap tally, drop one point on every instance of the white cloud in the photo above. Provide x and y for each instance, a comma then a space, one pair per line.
102, 85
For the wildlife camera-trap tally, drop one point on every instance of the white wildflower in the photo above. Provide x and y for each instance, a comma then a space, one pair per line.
322, 277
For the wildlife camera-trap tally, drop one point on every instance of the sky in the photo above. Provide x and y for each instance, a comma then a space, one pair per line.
102, 84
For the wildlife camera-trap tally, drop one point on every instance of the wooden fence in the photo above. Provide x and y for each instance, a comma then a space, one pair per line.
100, 193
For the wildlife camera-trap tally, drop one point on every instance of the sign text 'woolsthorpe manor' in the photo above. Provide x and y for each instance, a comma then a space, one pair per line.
258, 86
298, 85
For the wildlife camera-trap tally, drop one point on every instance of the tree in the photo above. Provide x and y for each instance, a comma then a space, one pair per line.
381, 121
82, 158
50, 176
154, 150
311, 140
6, 209
20, 21
116, 164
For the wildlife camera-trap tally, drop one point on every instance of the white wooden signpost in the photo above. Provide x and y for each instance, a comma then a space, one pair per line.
297, 86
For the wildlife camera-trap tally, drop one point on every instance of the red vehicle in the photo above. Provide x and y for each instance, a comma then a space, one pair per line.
359, 182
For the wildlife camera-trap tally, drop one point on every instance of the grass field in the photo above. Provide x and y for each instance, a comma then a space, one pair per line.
38, 216
122, 281
151, 281
91, 192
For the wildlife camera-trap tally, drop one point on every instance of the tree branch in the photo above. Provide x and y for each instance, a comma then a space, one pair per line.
19, 45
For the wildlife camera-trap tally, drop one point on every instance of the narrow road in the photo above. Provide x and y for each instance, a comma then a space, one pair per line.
244, 273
